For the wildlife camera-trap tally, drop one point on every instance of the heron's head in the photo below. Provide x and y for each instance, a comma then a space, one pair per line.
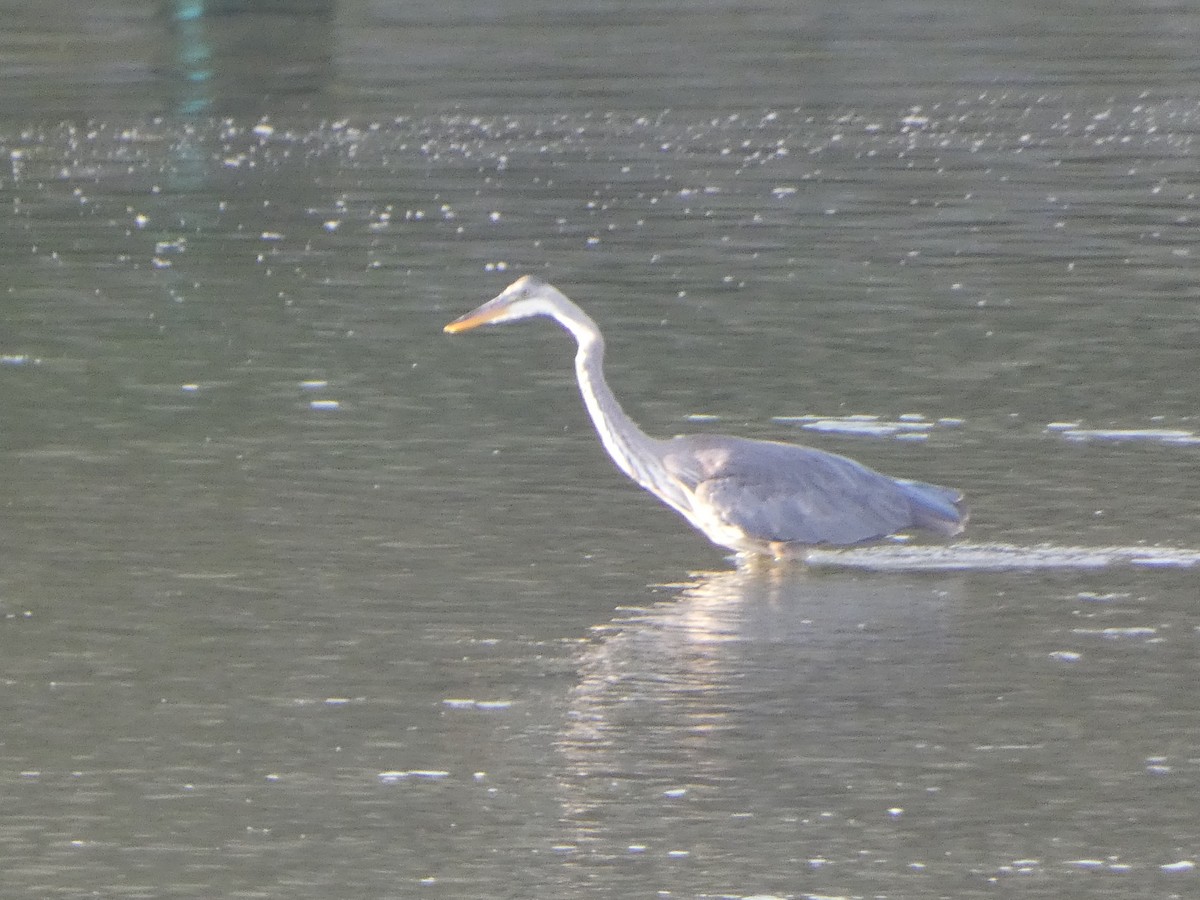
525, 297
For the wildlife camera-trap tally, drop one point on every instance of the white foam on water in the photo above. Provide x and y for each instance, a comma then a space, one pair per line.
968, 557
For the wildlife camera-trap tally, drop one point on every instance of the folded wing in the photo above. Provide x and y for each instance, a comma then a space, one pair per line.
776, 492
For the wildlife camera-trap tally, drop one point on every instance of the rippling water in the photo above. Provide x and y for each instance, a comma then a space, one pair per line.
302, 598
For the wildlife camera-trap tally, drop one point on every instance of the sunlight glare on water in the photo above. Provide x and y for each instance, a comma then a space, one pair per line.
303, 599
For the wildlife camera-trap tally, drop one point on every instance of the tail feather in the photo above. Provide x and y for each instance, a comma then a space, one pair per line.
936, 508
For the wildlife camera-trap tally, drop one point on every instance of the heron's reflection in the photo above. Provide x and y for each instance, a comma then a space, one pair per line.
762, 695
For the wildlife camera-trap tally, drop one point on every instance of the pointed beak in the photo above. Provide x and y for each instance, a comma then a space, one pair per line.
476, 317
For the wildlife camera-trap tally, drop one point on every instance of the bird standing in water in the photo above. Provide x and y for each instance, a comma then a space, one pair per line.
755, 497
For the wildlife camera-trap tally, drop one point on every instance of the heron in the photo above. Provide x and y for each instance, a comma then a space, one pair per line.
765, 498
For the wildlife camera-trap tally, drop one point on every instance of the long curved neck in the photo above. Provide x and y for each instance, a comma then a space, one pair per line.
632, 449
635, 452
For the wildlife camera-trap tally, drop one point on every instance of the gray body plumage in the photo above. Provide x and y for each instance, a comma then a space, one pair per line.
751, 496
776, 493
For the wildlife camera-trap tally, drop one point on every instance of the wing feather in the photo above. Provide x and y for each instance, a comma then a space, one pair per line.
794, 494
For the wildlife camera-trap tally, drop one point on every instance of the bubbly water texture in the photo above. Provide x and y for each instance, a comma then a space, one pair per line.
302, 599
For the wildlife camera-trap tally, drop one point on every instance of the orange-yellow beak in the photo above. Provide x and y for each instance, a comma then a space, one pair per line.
473, 319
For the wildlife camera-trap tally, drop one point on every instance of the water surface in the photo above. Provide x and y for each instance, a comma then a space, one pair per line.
302, 598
